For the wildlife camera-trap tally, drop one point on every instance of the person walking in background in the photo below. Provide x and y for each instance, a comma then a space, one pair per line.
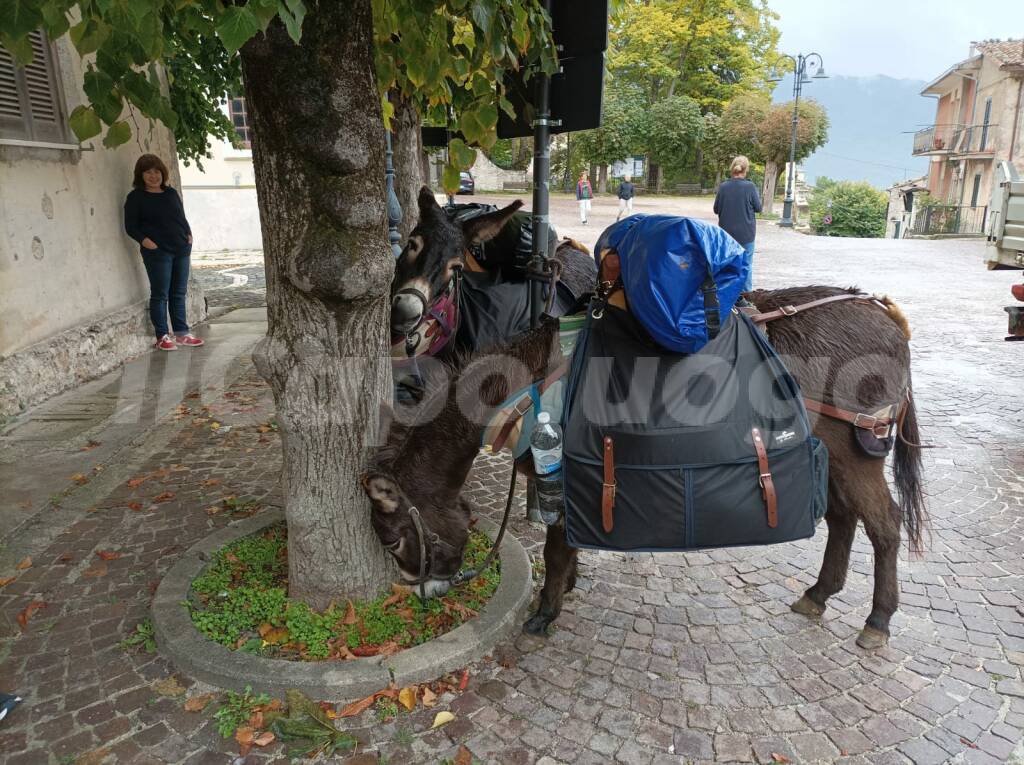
626, 193
736, 203
155, 218
584, 193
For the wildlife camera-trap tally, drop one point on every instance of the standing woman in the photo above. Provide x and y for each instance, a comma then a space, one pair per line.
736, 205
155, 218
584, 193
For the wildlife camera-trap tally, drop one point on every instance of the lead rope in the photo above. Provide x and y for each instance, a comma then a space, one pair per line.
463, 576
418, 523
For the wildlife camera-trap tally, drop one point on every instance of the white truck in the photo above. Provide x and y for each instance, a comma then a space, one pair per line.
1005, 234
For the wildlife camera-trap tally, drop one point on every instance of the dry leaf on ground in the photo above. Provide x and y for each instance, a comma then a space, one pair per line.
244, 736
80, 478
350, 615
776, 757
169, 687
199, 703
463, 756
25, 563
464, 681
30, 609
95, 757
96, 571
407, 697
135, 506
166, 496
429, 697
264, 739
210, 482
5, 580
363, 704
108, 554
442, 718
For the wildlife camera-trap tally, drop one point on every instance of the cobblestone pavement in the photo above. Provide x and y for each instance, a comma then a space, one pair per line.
669, 658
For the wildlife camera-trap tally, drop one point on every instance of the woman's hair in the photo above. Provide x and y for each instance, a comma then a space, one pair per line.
148, 162
739, 165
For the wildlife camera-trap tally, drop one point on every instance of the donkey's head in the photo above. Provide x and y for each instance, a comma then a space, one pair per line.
443, 533
435, 248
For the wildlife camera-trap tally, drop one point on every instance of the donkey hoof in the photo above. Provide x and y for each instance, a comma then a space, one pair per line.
536, 625
807, 607
871, 638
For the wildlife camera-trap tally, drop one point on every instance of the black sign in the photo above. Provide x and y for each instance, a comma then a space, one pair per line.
576, 94
579, 26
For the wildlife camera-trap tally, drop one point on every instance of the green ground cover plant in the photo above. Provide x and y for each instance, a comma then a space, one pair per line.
241, 601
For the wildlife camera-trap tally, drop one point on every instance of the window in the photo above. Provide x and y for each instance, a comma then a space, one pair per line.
240, 119
30, 103
977, 188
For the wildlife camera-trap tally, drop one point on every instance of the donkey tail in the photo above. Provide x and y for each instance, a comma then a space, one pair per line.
907, 474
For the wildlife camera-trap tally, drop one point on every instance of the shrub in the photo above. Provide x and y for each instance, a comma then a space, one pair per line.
857, 209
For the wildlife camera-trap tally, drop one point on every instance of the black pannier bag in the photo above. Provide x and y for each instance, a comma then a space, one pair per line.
672, 452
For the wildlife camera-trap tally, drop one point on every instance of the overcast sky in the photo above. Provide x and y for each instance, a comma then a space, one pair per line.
913, 39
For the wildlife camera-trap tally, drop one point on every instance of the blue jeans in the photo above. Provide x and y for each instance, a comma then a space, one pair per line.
168, 284
748, 249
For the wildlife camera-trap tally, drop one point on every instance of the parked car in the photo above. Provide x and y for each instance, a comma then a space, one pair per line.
466, 183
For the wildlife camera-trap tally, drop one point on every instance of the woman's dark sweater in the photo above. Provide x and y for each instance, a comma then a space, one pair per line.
160, 216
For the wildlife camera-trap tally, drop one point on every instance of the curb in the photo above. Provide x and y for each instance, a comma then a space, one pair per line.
192, 653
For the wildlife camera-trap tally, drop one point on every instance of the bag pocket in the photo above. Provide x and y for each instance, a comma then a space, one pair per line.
727, 508
648, 512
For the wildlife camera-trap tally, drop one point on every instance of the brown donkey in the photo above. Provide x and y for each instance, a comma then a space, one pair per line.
852, 354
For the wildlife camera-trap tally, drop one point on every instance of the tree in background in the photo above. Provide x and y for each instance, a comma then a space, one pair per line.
623, 132
511, 153
318, 105
856, 208
774, 139
678, 132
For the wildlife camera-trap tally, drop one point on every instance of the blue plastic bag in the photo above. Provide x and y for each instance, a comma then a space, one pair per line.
665, 260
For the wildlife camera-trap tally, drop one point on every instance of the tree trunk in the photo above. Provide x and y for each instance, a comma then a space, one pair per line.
771, 175
657, 178
567, 175
318, 156
407, 142
698, 161
602, 182
592, 172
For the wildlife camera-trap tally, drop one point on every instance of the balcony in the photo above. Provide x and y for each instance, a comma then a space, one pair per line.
958, 140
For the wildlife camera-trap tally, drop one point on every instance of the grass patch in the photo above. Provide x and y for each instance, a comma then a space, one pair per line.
241, 601
143, 638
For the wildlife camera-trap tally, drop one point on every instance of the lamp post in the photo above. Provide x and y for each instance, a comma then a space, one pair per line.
800, 65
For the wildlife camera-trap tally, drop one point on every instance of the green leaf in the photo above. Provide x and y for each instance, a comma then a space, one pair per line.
150, 35
118, 134
450, 179
483, 15
264, 10
236, 26
20, 49
55, 20
85, 123
139, 90
19, 17
460, 154
292, 13
88, 35
100, 89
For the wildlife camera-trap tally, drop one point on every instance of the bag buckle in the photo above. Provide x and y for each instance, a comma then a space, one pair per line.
865, 421
789, 310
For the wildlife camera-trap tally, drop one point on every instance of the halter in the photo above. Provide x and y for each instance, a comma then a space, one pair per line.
442, 314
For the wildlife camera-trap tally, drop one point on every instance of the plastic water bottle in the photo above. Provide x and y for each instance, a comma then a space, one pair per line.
546, 446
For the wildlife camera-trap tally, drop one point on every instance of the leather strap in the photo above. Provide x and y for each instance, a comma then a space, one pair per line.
880, 423
765, 479
608, 487
793, 310
522, 406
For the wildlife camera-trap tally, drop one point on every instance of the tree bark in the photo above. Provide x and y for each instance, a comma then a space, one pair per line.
602, 182
318, 156
567, 175
771, 176
407, 143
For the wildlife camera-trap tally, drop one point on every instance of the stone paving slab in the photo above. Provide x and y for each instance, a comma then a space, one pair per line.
668, 658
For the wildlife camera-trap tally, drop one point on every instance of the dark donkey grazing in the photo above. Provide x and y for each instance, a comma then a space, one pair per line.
849, 353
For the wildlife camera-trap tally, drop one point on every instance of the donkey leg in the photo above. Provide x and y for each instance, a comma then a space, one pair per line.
559, 567
883, 529
842, 526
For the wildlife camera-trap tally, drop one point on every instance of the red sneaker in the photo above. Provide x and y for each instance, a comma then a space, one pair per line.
189, 340
166, 343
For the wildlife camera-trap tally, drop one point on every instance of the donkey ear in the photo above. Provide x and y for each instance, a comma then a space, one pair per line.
484, 227
382, 491
427, 204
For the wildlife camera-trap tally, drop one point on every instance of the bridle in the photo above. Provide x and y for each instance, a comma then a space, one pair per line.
442, 310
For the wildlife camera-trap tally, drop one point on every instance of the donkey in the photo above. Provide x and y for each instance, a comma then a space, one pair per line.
438, 254
850, 353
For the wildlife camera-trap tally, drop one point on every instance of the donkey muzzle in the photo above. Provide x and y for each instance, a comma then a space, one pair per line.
406, 312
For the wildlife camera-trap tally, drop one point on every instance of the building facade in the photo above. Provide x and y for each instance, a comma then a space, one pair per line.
979, 121
73, 289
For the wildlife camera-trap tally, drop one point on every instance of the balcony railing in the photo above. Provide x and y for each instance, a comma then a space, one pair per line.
950, 219
956, 139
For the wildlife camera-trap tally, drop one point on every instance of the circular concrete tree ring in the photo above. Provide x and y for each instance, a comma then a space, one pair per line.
194, 654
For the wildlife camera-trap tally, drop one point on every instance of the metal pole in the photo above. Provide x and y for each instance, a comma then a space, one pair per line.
541, 187
394, 206
787, 204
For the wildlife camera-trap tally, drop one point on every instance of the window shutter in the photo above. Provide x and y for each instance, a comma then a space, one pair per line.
29, 97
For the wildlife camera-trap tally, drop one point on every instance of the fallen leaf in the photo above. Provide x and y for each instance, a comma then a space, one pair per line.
134, 483
214, 426
80, 478
776, 757
365, 650
350, 615
25, 563
256, 720
213, 509
359, 706
198, 703
463, 756
407, 697
328, 709
967, 743
442, 718
135, 506
166, 496
4, 581
108, 554
90, 444
210, 482
97, 570
277, 636
65, 558
465, 680
264, 628
264, 739
169, 687
244, 736
428, 697
30, 609
95, 757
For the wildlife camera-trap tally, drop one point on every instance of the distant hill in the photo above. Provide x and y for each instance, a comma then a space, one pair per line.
870, 119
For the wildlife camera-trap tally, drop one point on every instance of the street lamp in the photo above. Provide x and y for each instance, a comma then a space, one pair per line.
800, 63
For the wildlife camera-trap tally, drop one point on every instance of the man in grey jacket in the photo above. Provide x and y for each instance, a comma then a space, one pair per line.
736, 204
